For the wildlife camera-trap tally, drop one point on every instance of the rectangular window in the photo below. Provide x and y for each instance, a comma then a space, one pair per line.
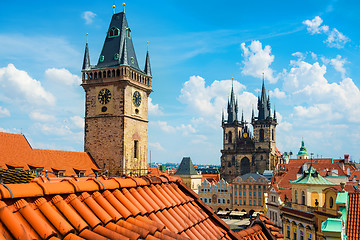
250, 194
254, 203
235, 193
228, 201
309, 236
250, 202
223, 200
244, 202
136, 142
244, 193
259, 203
209, 200
254, 194
249, 186
294, 233
205, 200
219, 200
235, 201
240, 202
287, 231
301, 235
239, 193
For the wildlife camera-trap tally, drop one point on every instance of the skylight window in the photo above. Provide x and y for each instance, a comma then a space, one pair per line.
113, 32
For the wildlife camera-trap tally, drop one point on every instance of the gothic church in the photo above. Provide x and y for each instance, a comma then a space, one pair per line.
243, 151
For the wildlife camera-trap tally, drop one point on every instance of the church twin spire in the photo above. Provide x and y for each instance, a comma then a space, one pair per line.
118, 47
263, 106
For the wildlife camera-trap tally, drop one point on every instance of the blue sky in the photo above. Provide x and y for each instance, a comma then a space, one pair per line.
308, 50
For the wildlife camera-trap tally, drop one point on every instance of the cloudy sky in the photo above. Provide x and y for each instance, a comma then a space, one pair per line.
308, 50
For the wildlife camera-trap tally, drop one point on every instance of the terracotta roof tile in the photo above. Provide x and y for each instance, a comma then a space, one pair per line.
130, 208
353, 224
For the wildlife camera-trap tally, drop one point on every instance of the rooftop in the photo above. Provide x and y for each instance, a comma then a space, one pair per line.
107, 208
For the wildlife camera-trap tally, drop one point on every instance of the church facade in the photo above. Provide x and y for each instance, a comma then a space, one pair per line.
245, 151
116, 104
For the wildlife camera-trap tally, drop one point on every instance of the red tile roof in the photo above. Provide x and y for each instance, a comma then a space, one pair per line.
353, 224
356, 175
107, 208
261, 228
15, 151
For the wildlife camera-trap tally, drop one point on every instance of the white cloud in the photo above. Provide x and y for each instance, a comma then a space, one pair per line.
88, 16
4, 112
78, 121
338, 64
154, 109
207, 100
313, 26
62, 76
277, 93
185, 130
298, 55
17, 84
257, 61
334, 37
156, 146
314, 56
42, 117
316, 98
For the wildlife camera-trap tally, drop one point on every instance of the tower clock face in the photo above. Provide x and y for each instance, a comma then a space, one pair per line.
137, 99
245, 135
104, 96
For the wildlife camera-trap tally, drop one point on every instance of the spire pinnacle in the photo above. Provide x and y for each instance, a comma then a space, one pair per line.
147, 68
86, 62
242, 116
113, 6
123, 7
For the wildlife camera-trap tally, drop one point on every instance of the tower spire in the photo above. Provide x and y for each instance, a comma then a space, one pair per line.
147, 68
274, 113
242, 116
232, 105
86, 62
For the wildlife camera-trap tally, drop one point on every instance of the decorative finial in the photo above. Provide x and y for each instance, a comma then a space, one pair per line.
114, 9
147, 45
87, 34
123, 7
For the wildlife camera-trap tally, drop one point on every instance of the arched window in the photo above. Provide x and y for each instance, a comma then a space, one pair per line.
272, 134
303, 198
296, 200
331, 202
230, 137
113, 32
261, 135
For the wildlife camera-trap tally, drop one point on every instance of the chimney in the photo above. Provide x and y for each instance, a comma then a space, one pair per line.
346, 158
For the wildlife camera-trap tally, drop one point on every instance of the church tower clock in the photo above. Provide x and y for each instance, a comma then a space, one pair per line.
116, 106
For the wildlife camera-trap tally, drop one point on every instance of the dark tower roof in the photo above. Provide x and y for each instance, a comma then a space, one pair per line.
86, 62
263, 105
232, 107
117, 43
147, 68
186, 167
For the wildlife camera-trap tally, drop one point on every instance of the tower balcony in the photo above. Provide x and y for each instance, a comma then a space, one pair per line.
118, 73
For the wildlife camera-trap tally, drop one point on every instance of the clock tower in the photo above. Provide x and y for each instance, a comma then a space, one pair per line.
116, 106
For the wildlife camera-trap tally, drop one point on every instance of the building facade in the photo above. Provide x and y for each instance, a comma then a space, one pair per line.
248, 192
216, 195
243, 151
116, 105
273, 206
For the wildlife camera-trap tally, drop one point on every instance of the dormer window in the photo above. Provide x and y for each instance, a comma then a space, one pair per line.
128, 32
113, 32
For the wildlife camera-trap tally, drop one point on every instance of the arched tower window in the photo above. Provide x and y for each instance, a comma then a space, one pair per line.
230, 137
261, 135
272, 134
245, 166
113, 32
303, 198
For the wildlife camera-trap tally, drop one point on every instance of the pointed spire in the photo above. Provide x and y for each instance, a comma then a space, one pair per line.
222, 116
263, 104
252, 114
147, 68
274, 113
86, 62
123, 7
232, 105
242, 116
124, 58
